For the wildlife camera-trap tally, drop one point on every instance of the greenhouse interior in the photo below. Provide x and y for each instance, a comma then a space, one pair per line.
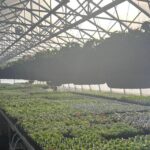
74, 75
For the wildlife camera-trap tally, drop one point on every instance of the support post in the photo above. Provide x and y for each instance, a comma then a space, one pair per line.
75, 87
82, 89
110, 90
124, 91
90, 87
68, 87
140, 92
99, 86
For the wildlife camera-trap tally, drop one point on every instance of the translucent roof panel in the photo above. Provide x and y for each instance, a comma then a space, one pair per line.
27, 27
9, 11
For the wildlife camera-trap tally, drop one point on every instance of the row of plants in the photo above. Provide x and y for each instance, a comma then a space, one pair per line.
135, 99
138, 119
65, 121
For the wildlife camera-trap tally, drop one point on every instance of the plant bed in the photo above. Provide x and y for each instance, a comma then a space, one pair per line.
65, 121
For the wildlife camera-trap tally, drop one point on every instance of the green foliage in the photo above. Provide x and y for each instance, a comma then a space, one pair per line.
143, 100
64, 121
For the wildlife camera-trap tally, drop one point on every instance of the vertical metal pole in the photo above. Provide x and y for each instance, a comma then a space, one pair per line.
82, 88
99, 88
90, 88
75, 87
110, 90
140, 92
124, 91
68, 87
63, 87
